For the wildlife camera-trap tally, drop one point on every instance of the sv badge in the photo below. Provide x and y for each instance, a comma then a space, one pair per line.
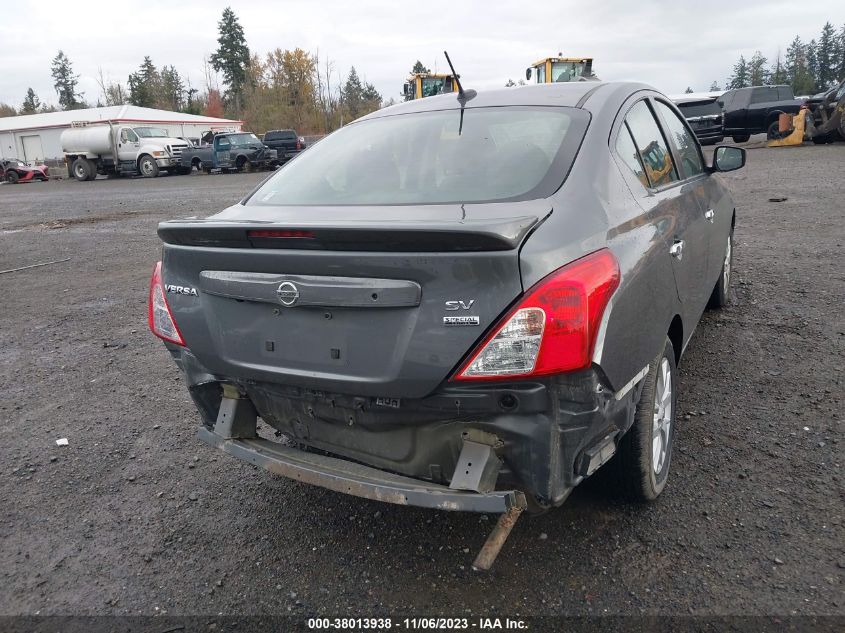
459, 305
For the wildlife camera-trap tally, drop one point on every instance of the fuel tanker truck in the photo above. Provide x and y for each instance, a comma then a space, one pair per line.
113, 149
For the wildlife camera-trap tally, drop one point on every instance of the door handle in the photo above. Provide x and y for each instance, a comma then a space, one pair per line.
677, 250
709, 215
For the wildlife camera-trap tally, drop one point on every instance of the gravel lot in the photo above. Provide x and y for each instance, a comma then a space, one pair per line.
136, 516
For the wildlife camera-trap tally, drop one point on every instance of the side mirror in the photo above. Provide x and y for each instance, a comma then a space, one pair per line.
528, 73
728, 158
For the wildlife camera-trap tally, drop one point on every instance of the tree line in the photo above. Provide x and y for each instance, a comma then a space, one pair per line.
809, 67
284, 88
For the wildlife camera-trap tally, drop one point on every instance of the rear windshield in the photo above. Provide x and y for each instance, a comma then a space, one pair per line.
276, 136
488, 154
700, 109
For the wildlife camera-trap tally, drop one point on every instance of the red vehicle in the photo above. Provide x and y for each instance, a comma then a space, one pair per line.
12, 171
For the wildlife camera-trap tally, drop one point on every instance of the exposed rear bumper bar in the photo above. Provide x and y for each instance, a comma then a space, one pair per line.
359, 480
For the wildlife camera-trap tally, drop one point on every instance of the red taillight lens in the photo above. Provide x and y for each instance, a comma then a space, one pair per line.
553, 328
283, 233
159, 316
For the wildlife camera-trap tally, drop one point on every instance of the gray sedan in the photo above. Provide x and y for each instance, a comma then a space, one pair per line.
465, 302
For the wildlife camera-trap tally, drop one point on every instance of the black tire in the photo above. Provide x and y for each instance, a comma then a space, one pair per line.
742, 138
720, 297
635, 457
823, 139
773, 133
184, 171
81, 169
12, 177
93, 170
147, 166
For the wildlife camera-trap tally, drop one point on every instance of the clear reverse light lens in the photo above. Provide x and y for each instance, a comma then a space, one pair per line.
514, 349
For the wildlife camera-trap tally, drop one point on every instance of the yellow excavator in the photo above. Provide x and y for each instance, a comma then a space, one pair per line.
558, 69
421, 85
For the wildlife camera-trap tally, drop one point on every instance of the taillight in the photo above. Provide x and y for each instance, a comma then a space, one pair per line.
553, 327
159, 316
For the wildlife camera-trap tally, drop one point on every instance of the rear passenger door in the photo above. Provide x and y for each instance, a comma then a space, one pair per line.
667, 196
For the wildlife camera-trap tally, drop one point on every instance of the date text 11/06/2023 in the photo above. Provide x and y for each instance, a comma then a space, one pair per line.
416, 624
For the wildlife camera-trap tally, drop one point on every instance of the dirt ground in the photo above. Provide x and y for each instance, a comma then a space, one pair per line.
136, 516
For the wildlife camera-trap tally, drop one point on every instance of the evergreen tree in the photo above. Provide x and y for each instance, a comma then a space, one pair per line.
757, 73
714, 87
777, 76
31, 102
144, 85
65, 82
232, 56
827, 57
797, 73
688, 91
840, 54
352, 93
739, 79
812, 67
419, 68
171, 89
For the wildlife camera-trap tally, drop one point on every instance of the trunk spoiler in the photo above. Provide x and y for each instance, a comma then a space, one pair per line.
482, 234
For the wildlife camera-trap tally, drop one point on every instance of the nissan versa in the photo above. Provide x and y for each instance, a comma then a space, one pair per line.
465, 303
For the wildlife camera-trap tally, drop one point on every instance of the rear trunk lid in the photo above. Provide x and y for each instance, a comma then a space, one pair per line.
382, 301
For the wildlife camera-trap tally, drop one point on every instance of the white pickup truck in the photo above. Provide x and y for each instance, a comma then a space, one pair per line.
121, 150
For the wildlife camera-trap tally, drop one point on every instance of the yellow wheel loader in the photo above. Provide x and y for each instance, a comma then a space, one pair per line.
421, 85
559, 69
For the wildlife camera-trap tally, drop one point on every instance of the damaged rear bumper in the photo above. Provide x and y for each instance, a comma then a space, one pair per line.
361, 481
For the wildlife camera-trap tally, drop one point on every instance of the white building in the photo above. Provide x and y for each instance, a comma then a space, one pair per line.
35, 137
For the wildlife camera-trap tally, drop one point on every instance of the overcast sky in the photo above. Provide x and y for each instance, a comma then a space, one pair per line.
670, 45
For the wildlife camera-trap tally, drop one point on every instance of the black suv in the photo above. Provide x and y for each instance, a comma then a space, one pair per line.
704, 116
754, 110
287, 143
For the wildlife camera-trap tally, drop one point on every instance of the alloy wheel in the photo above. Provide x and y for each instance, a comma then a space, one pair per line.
662, 425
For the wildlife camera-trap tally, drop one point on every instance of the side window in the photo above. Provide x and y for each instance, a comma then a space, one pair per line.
764, 95
785, 93
223, 143
131, 136
627, 151
684, 140
654, 153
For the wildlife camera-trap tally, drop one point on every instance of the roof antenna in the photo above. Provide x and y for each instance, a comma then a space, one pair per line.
463, 95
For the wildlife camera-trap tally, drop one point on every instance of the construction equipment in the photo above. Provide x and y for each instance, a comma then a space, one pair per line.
829, 115
421, 85
559, 69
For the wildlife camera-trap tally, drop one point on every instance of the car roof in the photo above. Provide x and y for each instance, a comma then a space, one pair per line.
566, 94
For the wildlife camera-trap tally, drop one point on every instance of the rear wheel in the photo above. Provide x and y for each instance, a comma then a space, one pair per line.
742, 138
81, 169
147, 166
721, 291
645, 452
12, 177
773, 132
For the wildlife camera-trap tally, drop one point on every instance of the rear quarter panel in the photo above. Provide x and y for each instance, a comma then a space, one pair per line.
593, 210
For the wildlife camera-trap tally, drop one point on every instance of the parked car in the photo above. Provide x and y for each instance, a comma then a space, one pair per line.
287, 143
754, 110
14, 171
240, 151
704, 116
479, 324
